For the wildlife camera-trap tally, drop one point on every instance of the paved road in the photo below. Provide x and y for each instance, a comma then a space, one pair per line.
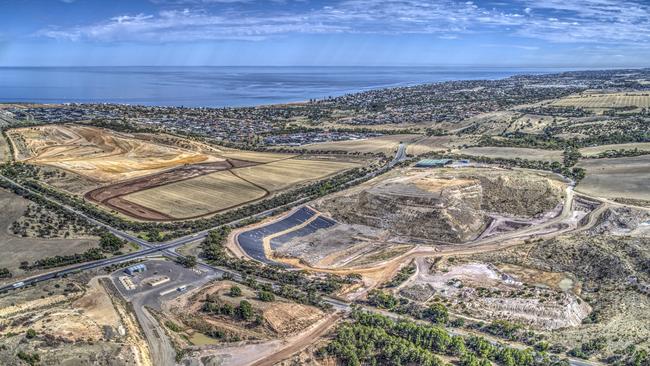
168, 249
400, 156
152, 248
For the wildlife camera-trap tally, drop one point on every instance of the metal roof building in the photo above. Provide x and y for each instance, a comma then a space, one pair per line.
432, 163
136, 268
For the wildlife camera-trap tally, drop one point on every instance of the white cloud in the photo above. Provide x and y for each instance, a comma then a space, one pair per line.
580, 21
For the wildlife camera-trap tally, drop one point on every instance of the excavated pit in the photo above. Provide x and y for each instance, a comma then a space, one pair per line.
446, 205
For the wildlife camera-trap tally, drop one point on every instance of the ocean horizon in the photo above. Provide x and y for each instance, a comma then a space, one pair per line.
222, 86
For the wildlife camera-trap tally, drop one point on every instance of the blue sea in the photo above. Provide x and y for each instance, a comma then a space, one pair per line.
218, 86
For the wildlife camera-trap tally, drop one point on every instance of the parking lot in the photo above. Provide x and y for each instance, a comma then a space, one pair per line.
161, 280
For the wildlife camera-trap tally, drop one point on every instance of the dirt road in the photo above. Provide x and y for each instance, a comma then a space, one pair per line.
298, 343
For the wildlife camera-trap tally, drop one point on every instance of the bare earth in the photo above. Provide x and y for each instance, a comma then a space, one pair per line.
99, 154
617, 178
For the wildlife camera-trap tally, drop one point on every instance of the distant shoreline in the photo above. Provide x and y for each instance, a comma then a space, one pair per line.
221, 87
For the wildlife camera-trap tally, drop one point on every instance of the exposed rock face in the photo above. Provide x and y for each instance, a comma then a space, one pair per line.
450, 212
567, 313
472, 287
623, 221
517, 194
449, 206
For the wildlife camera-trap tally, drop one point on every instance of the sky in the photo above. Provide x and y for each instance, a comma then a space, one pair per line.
499, 33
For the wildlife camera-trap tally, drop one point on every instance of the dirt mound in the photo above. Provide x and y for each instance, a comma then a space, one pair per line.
623, 221
100, 154
446, 205
515, 192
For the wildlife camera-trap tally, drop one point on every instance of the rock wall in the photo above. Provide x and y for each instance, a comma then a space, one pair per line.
568, 313
451, 215
445, 205
518, 194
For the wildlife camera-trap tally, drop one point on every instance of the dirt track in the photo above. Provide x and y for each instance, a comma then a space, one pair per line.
300, 342
111, 196
384, 271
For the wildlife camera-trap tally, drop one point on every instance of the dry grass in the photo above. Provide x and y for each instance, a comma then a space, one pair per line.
595, 150
254, 156
16, 249
513, 153
606, 101
287, 173
617, 178
198, 196
434, 143
99, 154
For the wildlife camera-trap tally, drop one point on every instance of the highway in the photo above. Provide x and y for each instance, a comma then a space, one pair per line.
168, 248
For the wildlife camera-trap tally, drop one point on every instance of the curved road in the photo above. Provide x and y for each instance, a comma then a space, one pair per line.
168, 249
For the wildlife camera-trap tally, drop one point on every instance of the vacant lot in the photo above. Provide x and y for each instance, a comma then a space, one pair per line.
198, 196
382, 144
436, 143
287, 173
514, 152
617, 178
590, 151
606, 101
16, 249
428, 144
99, 154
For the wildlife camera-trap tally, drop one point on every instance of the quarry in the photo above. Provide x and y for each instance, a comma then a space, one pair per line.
481, 290
392, 214
515, 230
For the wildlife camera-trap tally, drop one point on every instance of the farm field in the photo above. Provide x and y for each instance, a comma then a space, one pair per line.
429, 144
606, 101
198, 196
254, 156
513, 153
99, 154
622, 178
595, 150
383, 144
283, 174
146, 176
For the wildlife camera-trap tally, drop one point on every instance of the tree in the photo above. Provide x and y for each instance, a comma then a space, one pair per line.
245, 310
31, 333
266, 296
5, 273
382, 299
110, 243
153, 234
456, 346
235, 291
30, 359
188, 261
437, 313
